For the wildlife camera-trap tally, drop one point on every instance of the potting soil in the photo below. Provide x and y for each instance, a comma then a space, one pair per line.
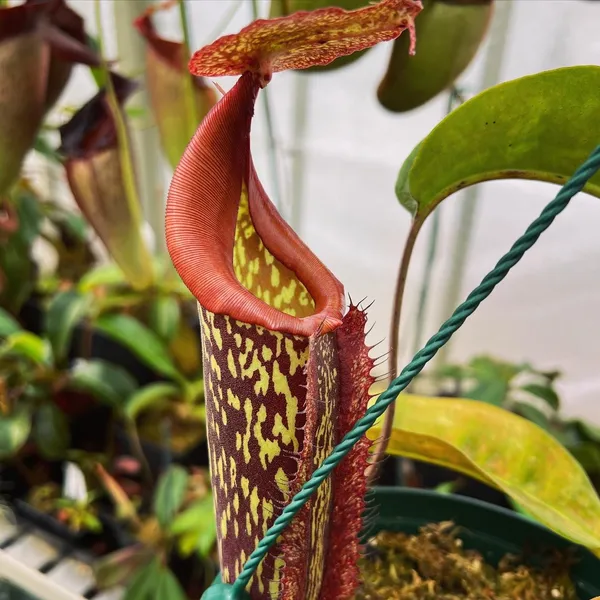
434, 565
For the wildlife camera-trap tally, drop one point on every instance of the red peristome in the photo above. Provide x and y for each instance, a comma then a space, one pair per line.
305, 39
349, 479
201, 217
305, 542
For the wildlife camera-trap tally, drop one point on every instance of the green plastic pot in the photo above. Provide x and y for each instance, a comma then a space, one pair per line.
489, 529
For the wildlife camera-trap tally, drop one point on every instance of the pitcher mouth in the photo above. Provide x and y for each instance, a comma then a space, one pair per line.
215, 179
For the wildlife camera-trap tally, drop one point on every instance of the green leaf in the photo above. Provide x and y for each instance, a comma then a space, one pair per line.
144, 584
546, 393
152, 395
493, 392
502, 450
42, 146
587, 455
518, 508
103, 275
28, 345
14, 432
198, 515
531, 413
544, 138
165, 316
168, 587
143, 342
457, 372
8, 324
117, 567
169, 494
591, 432
91, 522
51, 431
66, 310
196, 528
108, 383
448, 487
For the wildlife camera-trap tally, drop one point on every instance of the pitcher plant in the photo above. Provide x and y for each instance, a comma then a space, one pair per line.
287, 370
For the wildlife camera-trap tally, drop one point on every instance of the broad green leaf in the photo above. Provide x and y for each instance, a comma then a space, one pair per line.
152, 395
66, 310
108, 383
110, 274
544, 138
51, 431
14, 431
144, 584
196, 528
485, 367
28, 345
168, 587
587, 455
448, 38
8, 324
591, 432
493, 392
502, 450
546, 393
164, 317
143, 342
169, 494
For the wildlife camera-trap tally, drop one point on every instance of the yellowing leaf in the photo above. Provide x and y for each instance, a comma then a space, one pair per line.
502, 450
305, 39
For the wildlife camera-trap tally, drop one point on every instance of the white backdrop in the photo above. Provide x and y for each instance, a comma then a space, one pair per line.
546, 311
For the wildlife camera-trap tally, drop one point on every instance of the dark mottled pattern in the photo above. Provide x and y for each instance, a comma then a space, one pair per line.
273, 406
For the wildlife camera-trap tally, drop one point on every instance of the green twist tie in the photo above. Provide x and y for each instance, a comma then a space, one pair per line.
576, 183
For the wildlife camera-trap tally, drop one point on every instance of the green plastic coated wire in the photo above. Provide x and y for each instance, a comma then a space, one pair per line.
460, 315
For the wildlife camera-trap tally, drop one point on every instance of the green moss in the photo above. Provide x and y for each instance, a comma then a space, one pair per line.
433, 565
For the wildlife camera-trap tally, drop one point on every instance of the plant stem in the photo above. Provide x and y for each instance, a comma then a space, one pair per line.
492, 70
191, 106
394, 336
426, 282
455, 97
270, 131
144, 133
137, 450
